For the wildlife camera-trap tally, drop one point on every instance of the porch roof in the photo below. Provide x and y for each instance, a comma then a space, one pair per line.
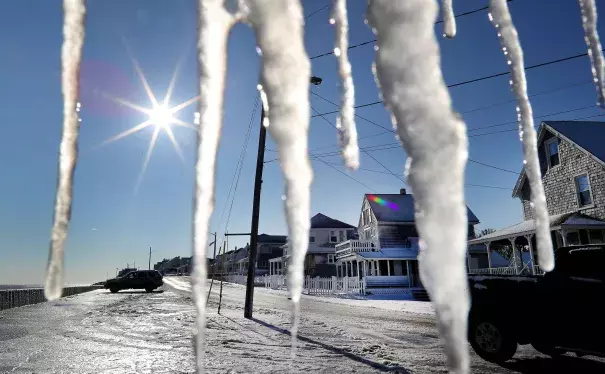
390, 254
557, 221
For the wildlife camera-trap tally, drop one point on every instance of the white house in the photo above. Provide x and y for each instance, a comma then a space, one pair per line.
387, 249
325, 233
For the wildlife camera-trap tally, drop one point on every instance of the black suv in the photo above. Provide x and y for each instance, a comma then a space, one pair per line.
140, 279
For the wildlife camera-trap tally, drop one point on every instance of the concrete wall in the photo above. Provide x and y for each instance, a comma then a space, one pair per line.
560, 187
16, 298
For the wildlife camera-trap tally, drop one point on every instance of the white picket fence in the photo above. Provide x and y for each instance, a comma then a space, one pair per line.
321, 286
241, 279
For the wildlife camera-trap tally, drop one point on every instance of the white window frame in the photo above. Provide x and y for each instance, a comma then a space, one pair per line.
311, 239
547, 151
331, 258
335, 235
577, 190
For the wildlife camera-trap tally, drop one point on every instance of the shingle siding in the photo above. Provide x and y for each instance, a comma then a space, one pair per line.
559, 183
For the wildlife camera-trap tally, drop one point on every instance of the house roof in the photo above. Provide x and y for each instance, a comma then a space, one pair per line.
399, 208
321, 221
586, 135
272, 239
528, 227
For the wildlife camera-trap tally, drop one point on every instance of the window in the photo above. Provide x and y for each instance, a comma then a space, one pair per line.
573, 238
311, 239
333, 237
342, 235
330, 258
552, 152
583, 190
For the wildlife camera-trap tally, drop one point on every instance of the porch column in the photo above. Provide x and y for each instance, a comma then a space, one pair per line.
563, 237
378, 265
389, 268
489, 256
358, 268
514, 251
365, 268
531, 253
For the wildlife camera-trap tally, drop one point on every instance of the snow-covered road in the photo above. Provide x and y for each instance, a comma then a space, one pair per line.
135, 332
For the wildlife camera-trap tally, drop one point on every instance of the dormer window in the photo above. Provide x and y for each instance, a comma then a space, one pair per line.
552, 152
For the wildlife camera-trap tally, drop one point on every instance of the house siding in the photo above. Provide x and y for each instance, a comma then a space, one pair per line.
559, 183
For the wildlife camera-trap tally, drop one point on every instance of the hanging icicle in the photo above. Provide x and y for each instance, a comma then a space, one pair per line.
509, 39
449, 20
347, 133
589, 22
285, 80
408, 72
214, 25
71, 56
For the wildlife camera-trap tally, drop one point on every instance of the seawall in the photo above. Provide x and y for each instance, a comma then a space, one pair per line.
16, 298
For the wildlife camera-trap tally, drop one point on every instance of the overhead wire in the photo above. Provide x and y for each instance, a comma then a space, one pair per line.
436, 23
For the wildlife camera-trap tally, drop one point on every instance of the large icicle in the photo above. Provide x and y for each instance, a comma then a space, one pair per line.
214, 25
407, 68
285, 80
589, 22
501, 19
71, 56
347, 133
449, 20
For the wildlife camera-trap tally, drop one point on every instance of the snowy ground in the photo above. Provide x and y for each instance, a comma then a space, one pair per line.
135, 332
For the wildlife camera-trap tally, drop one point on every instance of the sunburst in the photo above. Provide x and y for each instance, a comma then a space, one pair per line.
161, 115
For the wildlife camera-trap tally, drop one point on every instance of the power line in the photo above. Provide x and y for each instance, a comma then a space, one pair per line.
342, 172
317, 11
475, 80
384, 172
374, 40
363, 150
493, 167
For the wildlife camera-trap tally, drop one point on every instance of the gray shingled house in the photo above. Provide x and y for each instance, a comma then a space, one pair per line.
572, 163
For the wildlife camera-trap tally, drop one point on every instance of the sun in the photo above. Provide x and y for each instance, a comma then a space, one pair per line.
160, 115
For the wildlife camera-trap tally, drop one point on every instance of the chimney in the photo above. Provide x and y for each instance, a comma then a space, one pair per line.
402, 191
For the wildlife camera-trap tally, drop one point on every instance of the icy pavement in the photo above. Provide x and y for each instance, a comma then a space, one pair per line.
135, 332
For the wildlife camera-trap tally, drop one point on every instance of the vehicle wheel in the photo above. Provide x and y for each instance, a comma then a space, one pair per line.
547, 349
148, 289
113, 290
492, 341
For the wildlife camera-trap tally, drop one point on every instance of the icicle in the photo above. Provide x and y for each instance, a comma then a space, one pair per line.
589, 22
501, 19
407, 68
214, 25
71, 56
347, 133
449, 20
285, 80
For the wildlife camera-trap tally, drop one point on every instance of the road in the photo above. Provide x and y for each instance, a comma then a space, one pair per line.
135, 332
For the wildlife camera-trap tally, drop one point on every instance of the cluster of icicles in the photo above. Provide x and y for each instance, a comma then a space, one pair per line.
433, 135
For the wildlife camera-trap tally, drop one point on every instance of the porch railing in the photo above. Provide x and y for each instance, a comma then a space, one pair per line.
494, 271
321, 286
354, 246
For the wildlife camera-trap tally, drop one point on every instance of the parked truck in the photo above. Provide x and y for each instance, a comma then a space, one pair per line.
561, 311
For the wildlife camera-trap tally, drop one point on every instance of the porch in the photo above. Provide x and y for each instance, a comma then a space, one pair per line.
520, 243
380, 268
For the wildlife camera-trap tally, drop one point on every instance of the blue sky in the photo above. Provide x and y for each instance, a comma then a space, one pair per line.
112, 226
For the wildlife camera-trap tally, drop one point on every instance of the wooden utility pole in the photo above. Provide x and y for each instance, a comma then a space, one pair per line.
258, 180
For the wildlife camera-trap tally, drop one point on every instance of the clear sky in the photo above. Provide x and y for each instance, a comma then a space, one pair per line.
111, 225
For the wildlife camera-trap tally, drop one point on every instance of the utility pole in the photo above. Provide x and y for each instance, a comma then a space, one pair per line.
258, 181
149, 257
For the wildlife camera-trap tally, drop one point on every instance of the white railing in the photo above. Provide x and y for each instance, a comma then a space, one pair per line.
494, 271
538, 271
347, 247
321, 286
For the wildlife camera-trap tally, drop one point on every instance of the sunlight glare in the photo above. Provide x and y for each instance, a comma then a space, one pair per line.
161, 116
